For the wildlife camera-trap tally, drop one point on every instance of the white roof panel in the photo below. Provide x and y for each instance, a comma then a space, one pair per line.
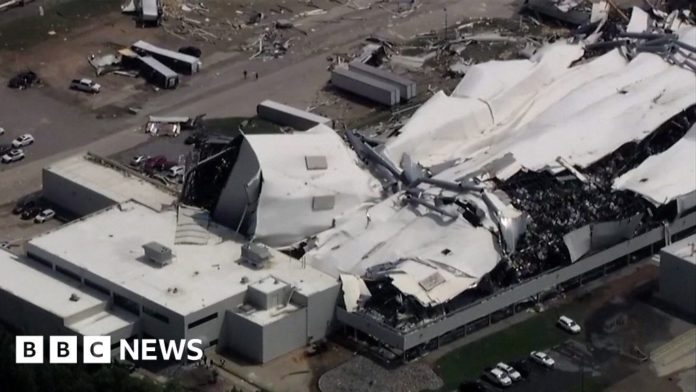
663, 177
296, 202
116, 185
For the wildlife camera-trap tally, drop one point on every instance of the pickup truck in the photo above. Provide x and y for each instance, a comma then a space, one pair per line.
86, 85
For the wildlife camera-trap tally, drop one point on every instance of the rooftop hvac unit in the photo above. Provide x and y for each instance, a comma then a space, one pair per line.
158, 253
256, 255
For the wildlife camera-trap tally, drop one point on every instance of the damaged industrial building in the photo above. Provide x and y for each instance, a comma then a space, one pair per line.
533, 176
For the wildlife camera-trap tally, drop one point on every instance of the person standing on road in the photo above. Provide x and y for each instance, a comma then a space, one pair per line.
245, 74
257, 75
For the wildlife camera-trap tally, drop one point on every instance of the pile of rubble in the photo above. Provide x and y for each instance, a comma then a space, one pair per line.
562, 203
23, 80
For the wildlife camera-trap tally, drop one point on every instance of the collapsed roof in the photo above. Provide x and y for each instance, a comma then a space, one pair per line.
506, 177
291, 186
468, 170
667, 176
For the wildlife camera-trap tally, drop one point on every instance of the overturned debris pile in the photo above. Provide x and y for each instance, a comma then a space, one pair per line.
23, 80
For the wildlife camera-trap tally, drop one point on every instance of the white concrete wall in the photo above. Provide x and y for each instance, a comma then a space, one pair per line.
320, 313
287, 334
242, 337
71, 196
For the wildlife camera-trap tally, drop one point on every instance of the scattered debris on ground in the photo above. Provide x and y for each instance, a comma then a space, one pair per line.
23, 80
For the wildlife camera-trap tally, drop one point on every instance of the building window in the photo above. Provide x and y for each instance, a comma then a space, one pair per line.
203, 320
127, 304
40, 260
69, 274
155, 314
96, 287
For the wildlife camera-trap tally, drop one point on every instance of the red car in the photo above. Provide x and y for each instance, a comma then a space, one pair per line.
154, 163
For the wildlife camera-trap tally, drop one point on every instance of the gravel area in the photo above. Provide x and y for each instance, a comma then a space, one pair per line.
364, 375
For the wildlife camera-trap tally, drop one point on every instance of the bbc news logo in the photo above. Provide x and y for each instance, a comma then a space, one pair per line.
97, 349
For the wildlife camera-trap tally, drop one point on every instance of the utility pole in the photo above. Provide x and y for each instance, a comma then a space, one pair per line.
445, 9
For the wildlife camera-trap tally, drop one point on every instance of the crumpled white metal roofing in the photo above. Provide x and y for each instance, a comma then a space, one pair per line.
390, 231
353, 289
663, 177
546, 113
546, 110
285, 212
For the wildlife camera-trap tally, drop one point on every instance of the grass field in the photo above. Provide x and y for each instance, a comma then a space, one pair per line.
513, 343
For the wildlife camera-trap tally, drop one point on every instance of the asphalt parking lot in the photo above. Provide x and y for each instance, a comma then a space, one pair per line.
622, 323
16, 230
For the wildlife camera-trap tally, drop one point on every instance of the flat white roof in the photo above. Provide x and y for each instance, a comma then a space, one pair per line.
109, 244
684, 249
114, 184
268, 285
43, 287
104, 323
269, 316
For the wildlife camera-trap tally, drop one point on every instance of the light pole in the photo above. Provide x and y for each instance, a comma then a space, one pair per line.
445, 9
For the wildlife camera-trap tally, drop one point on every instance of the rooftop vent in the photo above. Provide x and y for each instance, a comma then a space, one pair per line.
316, 162
323, 203
256, 255
158, 253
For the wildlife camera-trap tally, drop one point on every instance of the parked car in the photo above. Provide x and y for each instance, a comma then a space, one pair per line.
497, 376
522, 367
542, 358
86, 85
568, 324
139, 160
2, 131
175, 171
23, 205
153, 163
31, 212
165, 166
5, 148
23, 140
510, 371
45, 215
13, 156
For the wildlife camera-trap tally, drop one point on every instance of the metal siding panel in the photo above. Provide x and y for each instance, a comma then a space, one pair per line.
289, 116
365, 87
406, 87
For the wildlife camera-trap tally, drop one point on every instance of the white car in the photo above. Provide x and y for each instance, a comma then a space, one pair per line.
542, 358
175, 171
569, 325
87, 85
139, 159
2, 131
23, 140
45, 215
13, 156
509, 370
498, 377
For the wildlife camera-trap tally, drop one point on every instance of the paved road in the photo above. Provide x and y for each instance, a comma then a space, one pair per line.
219, 91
